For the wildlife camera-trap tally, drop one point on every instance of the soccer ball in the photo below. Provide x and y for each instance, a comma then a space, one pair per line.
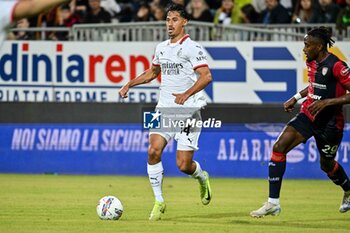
109, 208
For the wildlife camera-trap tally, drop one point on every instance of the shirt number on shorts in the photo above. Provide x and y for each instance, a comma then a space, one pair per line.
186, 130
330, 149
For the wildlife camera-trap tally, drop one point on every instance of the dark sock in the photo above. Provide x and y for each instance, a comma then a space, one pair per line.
339, 177
277, 167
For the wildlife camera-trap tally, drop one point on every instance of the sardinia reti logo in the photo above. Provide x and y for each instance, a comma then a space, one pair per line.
64, 72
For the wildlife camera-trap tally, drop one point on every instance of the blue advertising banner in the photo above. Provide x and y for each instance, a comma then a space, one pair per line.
56, 71
121, 149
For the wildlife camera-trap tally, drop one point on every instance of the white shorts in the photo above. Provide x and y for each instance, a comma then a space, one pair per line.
187, 140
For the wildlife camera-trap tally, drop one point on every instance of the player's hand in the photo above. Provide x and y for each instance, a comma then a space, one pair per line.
317, 106
289, 104
181, 98
123, 92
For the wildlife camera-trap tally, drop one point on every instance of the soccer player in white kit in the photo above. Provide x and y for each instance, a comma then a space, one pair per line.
11, 11
185, 73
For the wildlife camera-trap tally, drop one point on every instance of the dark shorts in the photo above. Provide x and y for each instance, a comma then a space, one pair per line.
328, 138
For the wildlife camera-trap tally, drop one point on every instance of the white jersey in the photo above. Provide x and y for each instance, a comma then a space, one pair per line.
178, 62
6, 17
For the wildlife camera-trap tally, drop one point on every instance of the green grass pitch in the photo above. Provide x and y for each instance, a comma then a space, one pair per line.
60, 203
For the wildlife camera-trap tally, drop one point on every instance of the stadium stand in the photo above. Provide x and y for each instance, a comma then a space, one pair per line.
126, 24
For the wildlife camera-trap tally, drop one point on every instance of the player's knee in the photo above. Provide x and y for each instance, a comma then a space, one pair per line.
154, 153
279, 147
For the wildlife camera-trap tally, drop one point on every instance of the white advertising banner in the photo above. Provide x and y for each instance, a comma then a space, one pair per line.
243, 72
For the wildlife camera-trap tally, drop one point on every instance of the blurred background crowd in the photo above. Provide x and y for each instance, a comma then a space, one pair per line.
223, 12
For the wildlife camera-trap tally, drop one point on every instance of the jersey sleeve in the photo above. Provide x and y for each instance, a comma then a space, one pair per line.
197, 56
155, 60
342, 72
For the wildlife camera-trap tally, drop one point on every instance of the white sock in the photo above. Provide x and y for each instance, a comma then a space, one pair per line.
155, 175
275, 201
198, 173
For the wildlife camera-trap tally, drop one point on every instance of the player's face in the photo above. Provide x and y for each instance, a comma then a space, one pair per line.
175, 24
312, 48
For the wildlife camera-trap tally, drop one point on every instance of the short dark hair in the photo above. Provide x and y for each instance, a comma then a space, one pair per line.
324, 34
178, 8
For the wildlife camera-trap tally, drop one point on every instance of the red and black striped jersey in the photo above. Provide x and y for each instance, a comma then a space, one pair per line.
327, 79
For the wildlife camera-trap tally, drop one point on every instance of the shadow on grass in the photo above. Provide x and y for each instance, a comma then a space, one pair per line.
269, 221
209, 216
312, 224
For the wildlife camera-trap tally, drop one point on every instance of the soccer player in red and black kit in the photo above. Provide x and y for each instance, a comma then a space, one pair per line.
321, 116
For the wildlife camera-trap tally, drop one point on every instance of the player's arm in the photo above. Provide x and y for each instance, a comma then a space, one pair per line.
28, 8
204, 79
289, 104
145, 77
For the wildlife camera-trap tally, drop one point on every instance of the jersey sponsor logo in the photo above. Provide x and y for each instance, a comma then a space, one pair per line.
319, 86
315, 97
171, 68
169, 65
201, 58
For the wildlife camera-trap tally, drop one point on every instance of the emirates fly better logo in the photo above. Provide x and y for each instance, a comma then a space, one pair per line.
177, 119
